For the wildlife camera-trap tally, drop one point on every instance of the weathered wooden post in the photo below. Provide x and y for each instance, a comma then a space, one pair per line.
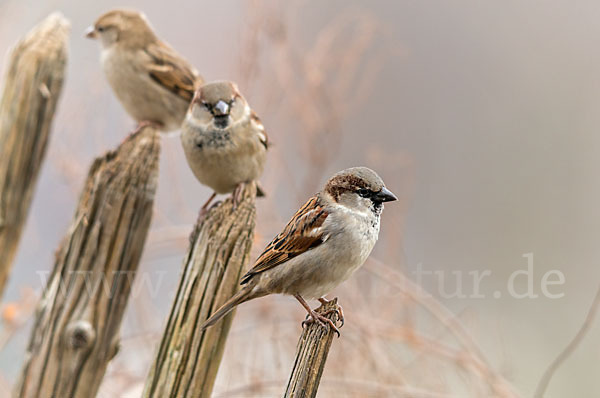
187, 360
77, 323
311, 355
32, 87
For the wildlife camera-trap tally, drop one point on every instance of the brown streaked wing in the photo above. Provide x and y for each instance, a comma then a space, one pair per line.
299, 235
171, 71
264, 139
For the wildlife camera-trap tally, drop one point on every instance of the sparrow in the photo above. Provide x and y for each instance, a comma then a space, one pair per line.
151, 80
328, 239
224, 141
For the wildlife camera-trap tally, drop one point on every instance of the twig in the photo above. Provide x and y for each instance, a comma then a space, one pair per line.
568, 350
445, 316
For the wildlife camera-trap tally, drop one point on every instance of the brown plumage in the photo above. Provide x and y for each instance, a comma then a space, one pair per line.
168, 70
299, 235
321, 246
224, 141
151, 80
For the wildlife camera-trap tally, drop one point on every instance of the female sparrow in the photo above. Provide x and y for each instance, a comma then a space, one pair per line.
153, 83
224, 141
328, 239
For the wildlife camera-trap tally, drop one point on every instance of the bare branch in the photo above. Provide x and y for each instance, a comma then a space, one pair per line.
572, 346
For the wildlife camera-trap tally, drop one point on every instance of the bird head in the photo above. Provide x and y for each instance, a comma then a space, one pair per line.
359, 188
218, 105
126, 27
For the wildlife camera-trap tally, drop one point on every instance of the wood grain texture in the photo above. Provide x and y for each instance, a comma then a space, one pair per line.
32, 86
311, 354
187, 359
76, 330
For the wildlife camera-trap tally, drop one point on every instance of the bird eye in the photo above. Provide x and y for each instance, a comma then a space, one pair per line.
100, 28
207, 105
365, 193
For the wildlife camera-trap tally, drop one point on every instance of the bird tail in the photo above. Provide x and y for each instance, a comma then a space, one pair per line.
238, 298
260, 191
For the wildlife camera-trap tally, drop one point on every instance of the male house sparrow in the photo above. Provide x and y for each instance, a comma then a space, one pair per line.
153, 83
328, 239
224, 141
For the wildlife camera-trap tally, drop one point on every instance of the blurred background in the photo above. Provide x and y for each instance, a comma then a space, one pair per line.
481, 116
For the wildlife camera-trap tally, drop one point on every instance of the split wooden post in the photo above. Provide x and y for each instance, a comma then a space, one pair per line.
187, 360
77, 323
311, 354
32, 86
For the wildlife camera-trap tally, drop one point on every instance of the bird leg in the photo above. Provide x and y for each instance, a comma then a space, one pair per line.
339, 311
314, 316
146, 123
204, 209
141, 125
236, 196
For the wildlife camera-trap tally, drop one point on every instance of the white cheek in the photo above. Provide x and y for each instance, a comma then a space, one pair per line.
245, 116
244, 112
107, 39
362, 204
197, 117
365, 205
200, 113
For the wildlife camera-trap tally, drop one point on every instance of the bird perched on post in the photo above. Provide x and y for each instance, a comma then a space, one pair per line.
328, 239
224, 141
151, 80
